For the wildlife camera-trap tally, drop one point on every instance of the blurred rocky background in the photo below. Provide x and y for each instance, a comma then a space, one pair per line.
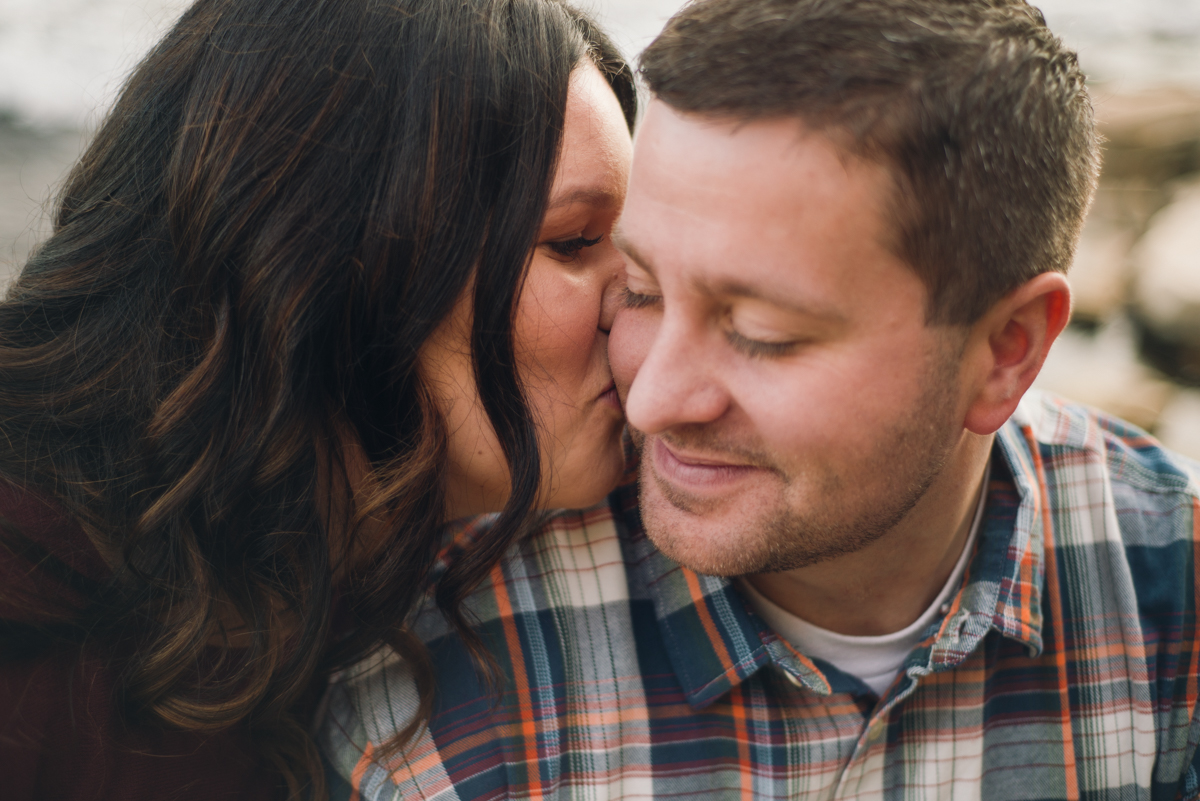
1134, 344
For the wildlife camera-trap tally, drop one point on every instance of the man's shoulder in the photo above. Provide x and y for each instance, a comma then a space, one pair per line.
1079, 446
1119, 515
1121, 509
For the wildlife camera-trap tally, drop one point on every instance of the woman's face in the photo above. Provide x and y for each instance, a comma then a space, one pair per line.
560, 332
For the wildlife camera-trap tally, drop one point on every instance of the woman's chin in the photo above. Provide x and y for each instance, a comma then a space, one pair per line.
587, 484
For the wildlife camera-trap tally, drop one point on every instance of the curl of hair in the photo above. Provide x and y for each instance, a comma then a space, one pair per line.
287, 199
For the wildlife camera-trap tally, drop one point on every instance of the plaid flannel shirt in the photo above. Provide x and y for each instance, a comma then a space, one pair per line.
1065, 668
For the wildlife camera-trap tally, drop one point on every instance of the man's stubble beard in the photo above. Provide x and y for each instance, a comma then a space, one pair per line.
833, 520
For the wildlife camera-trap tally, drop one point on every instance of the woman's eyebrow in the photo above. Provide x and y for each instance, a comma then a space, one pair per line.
595, 197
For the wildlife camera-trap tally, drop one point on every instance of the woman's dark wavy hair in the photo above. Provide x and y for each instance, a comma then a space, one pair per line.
287, 199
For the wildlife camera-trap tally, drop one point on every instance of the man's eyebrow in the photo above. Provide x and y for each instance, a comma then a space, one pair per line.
595, 197
622, 243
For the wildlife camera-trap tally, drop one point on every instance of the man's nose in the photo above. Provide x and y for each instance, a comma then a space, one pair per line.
678, 383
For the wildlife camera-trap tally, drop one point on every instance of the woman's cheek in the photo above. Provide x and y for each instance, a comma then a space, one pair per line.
556, 330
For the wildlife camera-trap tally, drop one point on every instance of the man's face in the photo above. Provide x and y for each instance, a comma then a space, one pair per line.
772, 354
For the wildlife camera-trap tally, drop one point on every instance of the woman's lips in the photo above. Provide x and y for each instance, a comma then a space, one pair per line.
609, 397
696, 472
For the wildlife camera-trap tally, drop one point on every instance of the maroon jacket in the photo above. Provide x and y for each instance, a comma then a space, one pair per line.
61, 736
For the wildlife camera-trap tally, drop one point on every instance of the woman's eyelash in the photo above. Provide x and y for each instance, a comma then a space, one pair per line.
570, 247
633, 300
756, 349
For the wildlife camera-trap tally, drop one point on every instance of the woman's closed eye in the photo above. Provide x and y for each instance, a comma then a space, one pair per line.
570, 248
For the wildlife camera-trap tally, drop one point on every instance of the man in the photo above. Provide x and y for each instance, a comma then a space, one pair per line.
870, 566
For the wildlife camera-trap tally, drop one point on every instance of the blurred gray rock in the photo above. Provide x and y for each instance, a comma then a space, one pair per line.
1167, 265
1152, 136
1103, 370
1179, 424
1100, 272
1151, 139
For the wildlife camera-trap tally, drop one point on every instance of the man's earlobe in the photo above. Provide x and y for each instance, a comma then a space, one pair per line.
1009, 344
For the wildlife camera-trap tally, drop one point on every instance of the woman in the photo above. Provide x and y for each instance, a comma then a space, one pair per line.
332, 273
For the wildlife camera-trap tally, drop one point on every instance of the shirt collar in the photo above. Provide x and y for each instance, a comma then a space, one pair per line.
1010, 571
715, 642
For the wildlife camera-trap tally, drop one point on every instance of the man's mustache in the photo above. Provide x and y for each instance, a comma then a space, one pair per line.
709, 440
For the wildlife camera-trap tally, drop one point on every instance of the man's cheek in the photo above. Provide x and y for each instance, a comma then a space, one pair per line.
628, 343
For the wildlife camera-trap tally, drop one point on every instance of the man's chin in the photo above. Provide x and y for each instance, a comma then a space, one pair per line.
748, 534
712, 541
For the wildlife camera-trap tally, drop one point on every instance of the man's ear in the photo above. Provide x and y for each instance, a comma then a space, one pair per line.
1008, 345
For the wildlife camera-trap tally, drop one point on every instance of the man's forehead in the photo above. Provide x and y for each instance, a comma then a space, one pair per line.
715, 133
689, 164
760, 209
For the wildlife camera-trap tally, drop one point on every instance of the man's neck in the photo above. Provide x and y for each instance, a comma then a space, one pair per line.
885, 586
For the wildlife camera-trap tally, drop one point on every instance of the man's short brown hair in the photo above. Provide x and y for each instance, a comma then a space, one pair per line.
978, 109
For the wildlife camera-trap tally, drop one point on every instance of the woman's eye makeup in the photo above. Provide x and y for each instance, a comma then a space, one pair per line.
571, 247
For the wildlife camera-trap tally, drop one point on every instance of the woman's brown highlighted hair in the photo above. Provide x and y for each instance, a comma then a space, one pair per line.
287, 199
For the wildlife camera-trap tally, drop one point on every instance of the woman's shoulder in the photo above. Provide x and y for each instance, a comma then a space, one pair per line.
62, 731
47, 562
62, 736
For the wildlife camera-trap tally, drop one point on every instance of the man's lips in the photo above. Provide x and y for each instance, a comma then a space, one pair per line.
697, 471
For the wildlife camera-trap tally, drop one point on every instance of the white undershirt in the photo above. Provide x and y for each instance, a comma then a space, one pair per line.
874, 660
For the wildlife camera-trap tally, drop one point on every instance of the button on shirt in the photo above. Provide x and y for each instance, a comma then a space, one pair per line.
1065, 666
